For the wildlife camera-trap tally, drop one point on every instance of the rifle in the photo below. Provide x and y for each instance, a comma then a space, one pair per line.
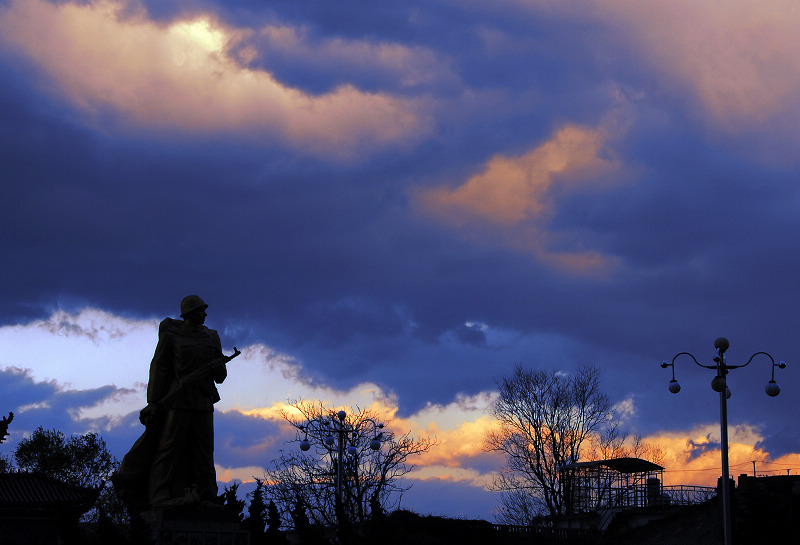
149, 412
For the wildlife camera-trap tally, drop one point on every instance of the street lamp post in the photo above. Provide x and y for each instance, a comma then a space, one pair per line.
344, 435
719, 384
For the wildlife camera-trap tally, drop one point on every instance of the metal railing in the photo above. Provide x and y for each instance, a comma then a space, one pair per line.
545, 535
687, 494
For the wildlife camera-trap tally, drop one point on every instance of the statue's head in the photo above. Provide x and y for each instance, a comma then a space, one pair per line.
190, 303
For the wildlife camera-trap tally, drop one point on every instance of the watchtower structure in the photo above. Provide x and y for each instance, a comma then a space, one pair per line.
618, 483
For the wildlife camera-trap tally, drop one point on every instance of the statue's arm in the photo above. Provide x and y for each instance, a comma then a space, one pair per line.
219, 372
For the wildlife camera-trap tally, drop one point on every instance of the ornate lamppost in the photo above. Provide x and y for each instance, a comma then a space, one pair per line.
343, 435
719, 384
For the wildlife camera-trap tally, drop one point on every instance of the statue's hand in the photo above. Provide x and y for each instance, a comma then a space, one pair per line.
220, 363
147, 414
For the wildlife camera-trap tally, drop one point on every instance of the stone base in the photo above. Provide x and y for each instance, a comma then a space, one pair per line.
194, 527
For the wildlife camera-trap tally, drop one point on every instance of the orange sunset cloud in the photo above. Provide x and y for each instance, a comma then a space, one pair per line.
693, 457
104, 56
738, 58
512, 198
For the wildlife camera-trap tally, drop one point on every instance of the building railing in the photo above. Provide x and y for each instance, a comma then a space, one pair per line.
653, 494
535, 534
687, 494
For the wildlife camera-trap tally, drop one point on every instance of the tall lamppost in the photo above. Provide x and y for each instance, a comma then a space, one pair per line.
719, 384
344, 436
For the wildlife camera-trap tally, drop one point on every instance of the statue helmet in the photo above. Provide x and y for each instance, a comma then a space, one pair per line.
190, 303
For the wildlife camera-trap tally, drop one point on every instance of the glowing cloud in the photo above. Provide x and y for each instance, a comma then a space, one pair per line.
471, 476
180, 77
85, 350
512, 190
512, 198
240, 474
459, 428
739, 59
693, 456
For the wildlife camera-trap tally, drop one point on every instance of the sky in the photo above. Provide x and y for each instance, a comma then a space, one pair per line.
391, 206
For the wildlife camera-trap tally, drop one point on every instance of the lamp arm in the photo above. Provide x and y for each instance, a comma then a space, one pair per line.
751, 359
693, 358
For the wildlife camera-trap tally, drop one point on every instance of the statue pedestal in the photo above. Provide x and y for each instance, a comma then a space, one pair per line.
194, 527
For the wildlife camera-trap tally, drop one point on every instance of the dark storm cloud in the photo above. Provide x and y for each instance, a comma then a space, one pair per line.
470, 334
51, 406
329, 262
243, 441
22, 390
695, 448
783, 441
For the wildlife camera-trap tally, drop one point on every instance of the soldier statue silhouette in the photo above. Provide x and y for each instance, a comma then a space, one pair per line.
172, 464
